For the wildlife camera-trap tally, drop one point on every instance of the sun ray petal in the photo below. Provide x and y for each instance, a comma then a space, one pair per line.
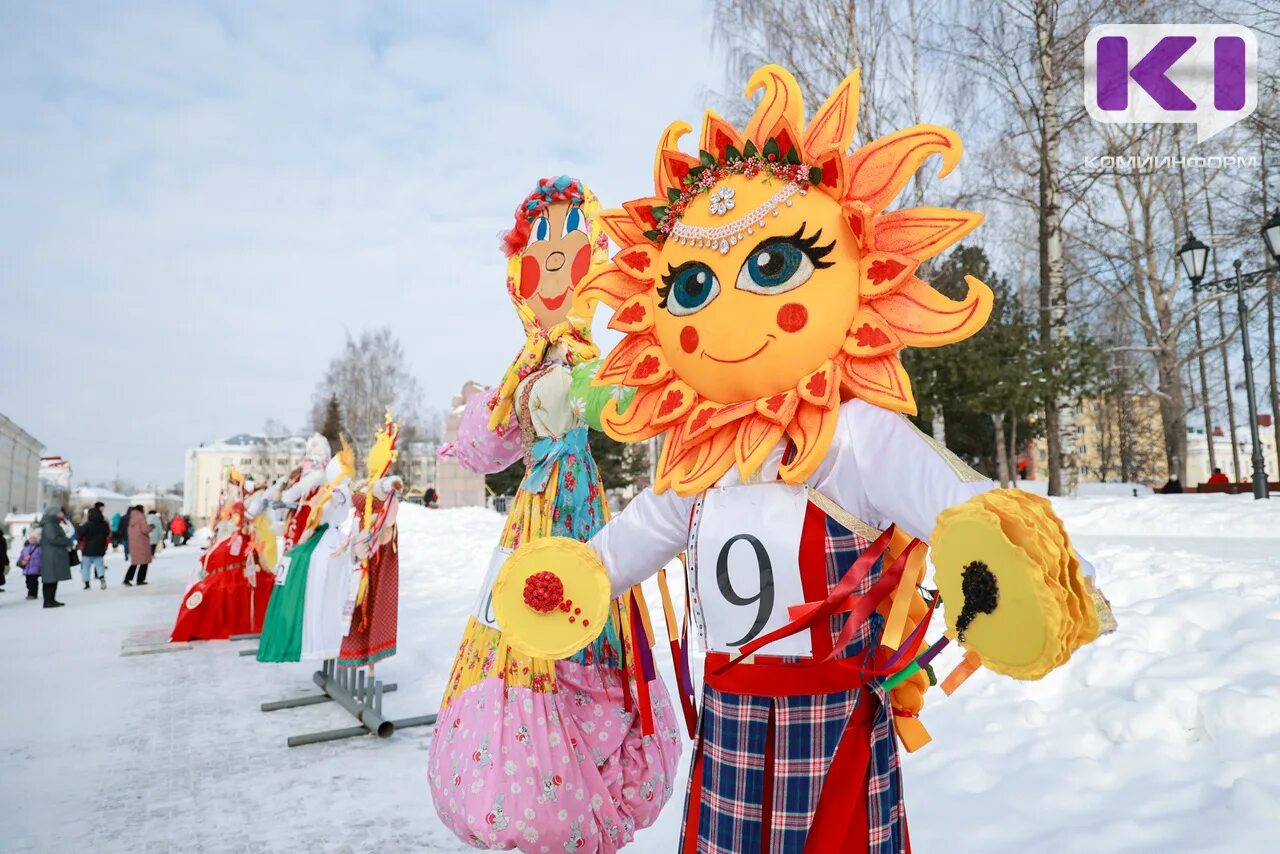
883, 272
880, 380
670, 141
879, 170
636, 424
923, 232
718, 135
779, 407
922, 317
709, 464
620, 227
781, 98
677, 399
871, 335
618, 363
648, 367
608, 285
634, 315
756, 438
836, 121
811, 431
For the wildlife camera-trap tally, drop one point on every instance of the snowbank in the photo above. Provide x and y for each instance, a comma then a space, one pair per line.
1186, 515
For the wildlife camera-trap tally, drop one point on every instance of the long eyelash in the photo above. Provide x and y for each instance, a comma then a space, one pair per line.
663, 290
809, 245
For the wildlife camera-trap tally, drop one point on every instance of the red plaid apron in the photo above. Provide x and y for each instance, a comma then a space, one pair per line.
775, 731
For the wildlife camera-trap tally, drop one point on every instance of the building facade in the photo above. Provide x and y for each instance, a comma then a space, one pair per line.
268, 459
1123, 440
55, 482
265, 458
19, 469
457, 486
1199, 468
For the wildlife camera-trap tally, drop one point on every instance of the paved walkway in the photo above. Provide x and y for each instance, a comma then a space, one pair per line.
101, 752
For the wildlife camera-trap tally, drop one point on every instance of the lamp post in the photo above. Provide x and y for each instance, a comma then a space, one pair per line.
1194, 255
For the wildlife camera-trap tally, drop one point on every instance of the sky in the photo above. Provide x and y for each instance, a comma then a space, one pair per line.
199, 200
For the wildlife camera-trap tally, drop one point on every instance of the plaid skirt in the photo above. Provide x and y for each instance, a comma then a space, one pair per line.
762, 755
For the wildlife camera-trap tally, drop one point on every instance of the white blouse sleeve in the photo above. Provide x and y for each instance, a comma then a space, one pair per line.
885, 471
643, 538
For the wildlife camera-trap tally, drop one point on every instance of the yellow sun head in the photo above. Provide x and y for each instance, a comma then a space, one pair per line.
764, 283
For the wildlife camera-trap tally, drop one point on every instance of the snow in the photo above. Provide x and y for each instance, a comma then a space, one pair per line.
1163, 736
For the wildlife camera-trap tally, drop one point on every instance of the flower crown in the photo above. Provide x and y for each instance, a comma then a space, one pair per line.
548, 191
748, 162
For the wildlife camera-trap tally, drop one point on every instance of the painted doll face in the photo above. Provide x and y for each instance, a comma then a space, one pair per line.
555, 259
751, 322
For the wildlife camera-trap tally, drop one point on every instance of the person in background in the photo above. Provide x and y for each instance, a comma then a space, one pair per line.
1218, 477
55, 555
117, 532
94, 534
1172, 486
430, 498
178, 530
157, 531
122, 530
139, 545
4, 559
29, 561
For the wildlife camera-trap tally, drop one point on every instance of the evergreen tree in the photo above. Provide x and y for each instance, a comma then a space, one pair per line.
620, 464
331, 428
506, 481
992, 388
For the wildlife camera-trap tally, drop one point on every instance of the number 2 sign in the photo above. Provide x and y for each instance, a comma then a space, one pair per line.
746, 567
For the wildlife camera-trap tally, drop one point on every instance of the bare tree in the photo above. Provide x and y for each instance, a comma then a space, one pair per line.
369, 377
818, 41
275, 429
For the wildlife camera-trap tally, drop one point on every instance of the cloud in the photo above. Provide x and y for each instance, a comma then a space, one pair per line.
201, 199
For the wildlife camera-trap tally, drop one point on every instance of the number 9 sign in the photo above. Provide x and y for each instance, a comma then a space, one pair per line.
745, 571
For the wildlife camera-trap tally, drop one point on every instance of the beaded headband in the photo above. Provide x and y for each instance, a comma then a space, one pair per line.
722, 237
710, 171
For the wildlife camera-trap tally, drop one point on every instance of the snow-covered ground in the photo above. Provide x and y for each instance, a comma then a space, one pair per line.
1164, 736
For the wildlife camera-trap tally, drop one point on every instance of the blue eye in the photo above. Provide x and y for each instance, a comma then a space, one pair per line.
573, 221
541, 228
689, 288
775, 267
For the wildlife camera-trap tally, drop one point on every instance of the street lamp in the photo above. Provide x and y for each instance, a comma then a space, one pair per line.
1271, 234
1193, 255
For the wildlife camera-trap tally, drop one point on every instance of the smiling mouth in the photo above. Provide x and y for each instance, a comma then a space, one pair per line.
768, 340
553, 303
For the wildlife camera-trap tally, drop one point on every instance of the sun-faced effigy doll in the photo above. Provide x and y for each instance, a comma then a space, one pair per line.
765, 291
532, 752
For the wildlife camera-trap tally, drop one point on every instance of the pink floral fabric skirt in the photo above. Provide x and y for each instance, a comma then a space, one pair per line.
565, 770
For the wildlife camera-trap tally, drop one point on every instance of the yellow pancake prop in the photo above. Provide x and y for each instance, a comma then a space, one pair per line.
997, 600
1081, 586
1037, 537
551, 598
1038, 513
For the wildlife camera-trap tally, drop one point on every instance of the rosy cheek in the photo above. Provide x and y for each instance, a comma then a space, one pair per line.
530, 274
792, 317
581, 263
688, 339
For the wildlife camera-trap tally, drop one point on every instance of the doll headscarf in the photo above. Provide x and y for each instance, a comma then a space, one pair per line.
575, 331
